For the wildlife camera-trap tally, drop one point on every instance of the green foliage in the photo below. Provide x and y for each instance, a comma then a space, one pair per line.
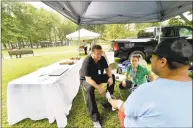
176, 21
191, 74
96, 28
190, 12
190, 22
23, 22
64, 29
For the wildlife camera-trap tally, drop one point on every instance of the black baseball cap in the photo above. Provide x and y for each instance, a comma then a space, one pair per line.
176, 50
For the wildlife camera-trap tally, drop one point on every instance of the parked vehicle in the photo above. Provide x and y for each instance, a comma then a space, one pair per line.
147, 40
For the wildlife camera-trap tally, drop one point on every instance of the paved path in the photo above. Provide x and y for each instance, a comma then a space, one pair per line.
40, 54
105, 47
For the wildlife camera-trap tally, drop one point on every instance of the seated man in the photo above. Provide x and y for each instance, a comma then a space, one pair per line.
166, 102
92, 75
137, 74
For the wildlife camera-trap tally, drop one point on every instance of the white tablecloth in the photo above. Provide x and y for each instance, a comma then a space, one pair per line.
50, 97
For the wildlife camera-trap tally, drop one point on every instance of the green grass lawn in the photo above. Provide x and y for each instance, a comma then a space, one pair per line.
46, 50
15, 68
78, 117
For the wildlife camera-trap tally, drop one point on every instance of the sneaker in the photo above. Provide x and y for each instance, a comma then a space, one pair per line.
108, 96
113, 109
113, 97
97, 124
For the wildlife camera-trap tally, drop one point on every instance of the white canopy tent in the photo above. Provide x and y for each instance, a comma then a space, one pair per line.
84, 34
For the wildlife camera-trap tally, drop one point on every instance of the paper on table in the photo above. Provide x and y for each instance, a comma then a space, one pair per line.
43, 77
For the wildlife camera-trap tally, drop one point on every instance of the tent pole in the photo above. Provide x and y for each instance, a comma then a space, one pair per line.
160, 32
78, 40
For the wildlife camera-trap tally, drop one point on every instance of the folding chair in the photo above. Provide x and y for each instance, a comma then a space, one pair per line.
118, 77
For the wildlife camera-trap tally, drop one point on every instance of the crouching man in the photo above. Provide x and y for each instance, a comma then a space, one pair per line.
92, 75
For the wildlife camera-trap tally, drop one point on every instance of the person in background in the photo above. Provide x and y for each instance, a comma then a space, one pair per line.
167, 101
137, 74
91, 45
85, 47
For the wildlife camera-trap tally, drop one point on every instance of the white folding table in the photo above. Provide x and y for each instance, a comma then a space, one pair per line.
38, 95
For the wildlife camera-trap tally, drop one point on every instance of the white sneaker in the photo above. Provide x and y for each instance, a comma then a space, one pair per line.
113, 109
113, 97
108, 95
97, 124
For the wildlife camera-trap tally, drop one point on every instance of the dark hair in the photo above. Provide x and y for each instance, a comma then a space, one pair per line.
136, 56
98, 47
172, 64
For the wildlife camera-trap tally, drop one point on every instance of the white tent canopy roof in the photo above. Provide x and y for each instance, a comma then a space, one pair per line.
84, 34
119, 11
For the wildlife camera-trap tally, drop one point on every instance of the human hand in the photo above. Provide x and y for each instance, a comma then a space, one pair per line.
101, 90
116, 104
110, 81
124, 83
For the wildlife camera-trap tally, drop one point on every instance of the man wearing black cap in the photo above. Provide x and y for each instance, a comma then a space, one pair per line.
166, 102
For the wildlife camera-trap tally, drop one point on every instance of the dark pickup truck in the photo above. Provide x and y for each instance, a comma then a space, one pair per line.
147, 40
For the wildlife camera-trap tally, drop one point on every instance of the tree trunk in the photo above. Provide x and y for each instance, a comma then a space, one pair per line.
28, 44
50, 37
31, 42
11, 46
67, 42
23, 46
4, 45
61, 40
19, 44
55, 33
31, 45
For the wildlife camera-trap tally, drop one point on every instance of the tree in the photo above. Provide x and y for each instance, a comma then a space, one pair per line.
176, 21
23, 22
96, 28
190, 22
65, 28
11, 30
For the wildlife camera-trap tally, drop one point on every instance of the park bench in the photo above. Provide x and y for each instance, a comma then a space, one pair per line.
20, 52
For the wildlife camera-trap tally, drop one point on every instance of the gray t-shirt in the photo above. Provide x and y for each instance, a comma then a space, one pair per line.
162, 103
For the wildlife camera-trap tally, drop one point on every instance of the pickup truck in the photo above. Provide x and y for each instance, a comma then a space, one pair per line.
147, 40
